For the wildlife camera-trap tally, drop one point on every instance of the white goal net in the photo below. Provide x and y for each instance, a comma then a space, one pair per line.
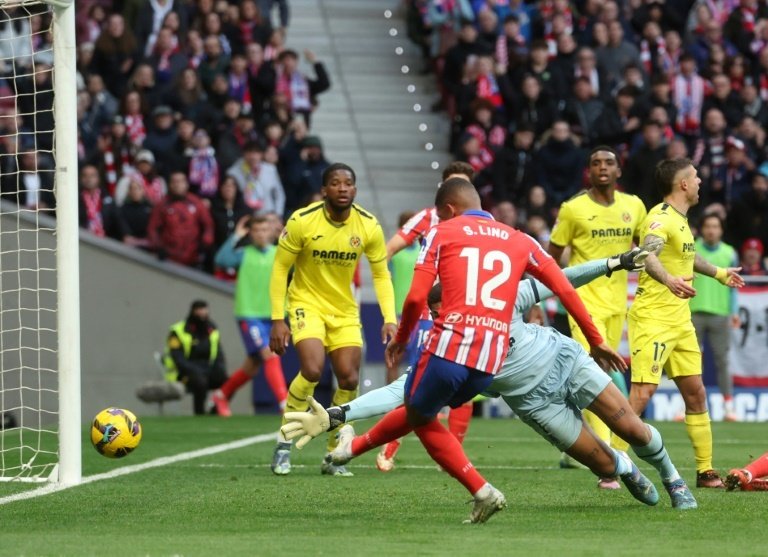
32, 197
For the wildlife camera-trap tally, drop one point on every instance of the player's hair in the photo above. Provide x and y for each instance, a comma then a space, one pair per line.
666, 171
338, 166
459, 167
404, 217
453, 190
435, 295
607, 148
257, 219
707, 216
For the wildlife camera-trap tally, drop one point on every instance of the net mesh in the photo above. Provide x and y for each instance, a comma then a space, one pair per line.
28, 338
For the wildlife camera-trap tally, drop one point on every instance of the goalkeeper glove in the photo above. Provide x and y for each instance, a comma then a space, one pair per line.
309, 425
634, 259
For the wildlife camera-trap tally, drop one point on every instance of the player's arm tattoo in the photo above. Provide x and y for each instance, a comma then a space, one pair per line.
704, 267
653, 266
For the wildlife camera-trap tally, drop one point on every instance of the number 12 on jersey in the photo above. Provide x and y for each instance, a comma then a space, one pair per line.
490, 262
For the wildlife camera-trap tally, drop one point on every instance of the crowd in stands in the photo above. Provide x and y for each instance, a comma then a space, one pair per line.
530, 87
194, 113
191, 114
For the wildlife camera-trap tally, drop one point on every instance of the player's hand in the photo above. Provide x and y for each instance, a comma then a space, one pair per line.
680, 287
388, 331
394, 352
306, 425
735, 321
279, 336
607, 358
241, 228
733, 278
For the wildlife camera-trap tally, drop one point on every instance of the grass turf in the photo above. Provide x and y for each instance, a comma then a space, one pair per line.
231, 504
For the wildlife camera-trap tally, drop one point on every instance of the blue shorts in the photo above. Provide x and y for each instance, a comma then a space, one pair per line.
437, 382
255, 334
417, 341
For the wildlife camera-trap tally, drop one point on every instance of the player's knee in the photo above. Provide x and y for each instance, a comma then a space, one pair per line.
311, 373
349, 380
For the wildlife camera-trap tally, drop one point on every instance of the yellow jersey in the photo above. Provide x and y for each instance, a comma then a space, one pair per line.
596, 231
324, 254
653, 300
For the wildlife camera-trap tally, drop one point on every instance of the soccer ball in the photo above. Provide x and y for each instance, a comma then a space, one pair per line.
115, 432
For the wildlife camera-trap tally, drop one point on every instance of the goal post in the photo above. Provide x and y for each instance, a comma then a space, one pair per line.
67, 234
40, 406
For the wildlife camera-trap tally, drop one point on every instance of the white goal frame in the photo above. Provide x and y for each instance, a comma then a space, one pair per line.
68, 470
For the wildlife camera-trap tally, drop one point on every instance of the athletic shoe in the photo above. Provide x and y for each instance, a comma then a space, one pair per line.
343, 451
681, 496
221, 403
709, 478
608, 483
487, 506
640, 487
385, 460
738, 479
281, 460
568, 462
679, 417
328, 468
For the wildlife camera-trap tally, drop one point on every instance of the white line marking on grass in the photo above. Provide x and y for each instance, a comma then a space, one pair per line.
156, 463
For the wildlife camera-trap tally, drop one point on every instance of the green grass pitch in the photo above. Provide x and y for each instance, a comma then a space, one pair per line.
231, 504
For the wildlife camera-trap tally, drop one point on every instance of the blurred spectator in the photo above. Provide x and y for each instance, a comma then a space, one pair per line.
560, 164
552, 83
180, 228
97, 209
724, 99
150, 17
113, 155
748, 218
534, 108
32, 186
709, 152
134, 215
143, 82
258, 180
235, 136
735, 175
261, 79
166, 60
189, 99
513, 170
214, 63
252, 26
132, 109
154, 185
639, 172
586, 68
620, 120
161, 135
300, 91
506, 213
203, 167
617, 54
688, 95
753, 105
227, 208
115, 54
266, 7
583, 110
103, 103
752, 262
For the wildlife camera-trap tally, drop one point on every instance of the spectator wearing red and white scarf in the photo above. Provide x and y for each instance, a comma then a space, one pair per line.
97, 208
115, 152
298, 89
133, 117
144, 171
688, 95
166, 59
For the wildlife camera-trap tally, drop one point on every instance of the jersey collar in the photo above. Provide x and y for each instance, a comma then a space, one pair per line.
478, 213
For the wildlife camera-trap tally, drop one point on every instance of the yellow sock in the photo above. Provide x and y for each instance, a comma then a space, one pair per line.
700, 434
340, 397
298, 391
597, 425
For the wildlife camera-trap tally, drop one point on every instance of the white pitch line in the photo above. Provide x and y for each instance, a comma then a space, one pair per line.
125, 470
